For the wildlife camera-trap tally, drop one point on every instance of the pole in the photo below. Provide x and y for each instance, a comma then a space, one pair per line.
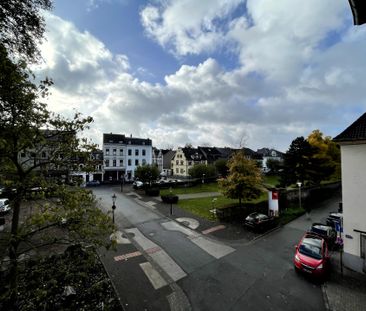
171, 208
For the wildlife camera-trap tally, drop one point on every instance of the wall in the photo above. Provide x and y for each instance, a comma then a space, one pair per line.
354, 200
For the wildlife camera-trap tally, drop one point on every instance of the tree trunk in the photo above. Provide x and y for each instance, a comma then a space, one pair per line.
13, 251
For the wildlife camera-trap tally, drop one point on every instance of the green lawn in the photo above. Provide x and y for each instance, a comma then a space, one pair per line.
202, 206
212, 187
271, 180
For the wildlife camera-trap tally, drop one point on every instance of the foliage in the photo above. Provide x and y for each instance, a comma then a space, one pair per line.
34, 144
42, 283
202, 171
311, 160
147, 173
244, 179
22, 26
170, 198
274, 166
221, 167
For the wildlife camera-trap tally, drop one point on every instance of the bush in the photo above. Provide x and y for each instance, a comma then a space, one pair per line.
170, 199
153, 192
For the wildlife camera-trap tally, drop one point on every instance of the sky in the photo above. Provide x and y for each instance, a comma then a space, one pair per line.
225, 73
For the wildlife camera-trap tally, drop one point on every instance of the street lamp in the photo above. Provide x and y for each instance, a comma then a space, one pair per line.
299, 184
114, 205
203, 178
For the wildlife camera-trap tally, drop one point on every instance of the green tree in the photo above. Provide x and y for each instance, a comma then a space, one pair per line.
147, 173
221, 167
28, 127
22, 26
274, 166
202, 170
244, 180
296, 162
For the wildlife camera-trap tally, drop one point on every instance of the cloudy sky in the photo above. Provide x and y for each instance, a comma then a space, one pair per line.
257, 73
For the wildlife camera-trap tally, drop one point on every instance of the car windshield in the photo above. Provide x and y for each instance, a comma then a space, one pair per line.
311, 247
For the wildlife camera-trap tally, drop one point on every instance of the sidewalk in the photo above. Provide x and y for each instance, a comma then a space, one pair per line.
344, 292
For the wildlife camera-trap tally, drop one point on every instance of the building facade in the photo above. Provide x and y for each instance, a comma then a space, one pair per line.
353, 154
122, 155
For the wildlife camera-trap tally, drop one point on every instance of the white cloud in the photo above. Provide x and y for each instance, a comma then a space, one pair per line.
289, 80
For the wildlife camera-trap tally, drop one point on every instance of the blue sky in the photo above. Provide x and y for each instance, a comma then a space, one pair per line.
213, 72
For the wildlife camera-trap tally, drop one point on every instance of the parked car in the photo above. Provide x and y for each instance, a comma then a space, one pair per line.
137, 184
312, 256
4, 206
259, 222
334, 218
93, 183
326, 232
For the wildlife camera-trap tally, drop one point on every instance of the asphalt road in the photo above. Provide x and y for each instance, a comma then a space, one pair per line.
168, 266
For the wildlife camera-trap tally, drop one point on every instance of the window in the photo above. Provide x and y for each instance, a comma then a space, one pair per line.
177, 170
181, 171
107, 151
177, 162
129, 162
106, 163
114, 163
143, 152
143, 161
129, 152
190, 163
181, 162
136, 162
121, 152
120, 162
114, 151
136, 152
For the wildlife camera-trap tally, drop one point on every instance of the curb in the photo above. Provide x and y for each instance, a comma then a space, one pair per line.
325, 298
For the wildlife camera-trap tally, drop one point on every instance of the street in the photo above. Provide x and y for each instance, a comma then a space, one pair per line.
161, 264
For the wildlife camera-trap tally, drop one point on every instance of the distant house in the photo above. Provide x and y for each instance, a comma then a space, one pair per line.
185, 158
122, 155
269, 154
353, 160
162, 159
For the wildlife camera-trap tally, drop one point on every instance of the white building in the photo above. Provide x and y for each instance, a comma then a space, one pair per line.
353, 154
122, 155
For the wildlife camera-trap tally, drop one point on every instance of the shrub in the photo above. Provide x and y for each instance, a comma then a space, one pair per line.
170, 199
153, 192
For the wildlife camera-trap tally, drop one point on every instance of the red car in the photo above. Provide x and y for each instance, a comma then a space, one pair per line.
312, 255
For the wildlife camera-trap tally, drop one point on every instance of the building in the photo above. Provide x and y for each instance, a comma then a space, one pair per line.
353, 154
90, 167
269, 154
122, 155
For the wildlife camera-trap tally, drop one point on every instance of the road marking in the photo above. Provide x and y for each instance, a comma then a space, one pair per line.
160, 257
154, 277
127, 256
213, 229
191, 223
213, 248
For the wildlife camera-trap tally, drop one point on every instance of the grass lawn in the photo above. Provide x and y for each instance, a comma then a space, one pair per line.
212, 187
202, 206
271, 180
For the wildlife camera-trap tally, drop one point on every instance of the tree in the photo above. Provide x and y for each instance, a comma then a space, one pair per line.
221, 167
147, 173
202, 171
327, 156
296, 162
22, 26
244, 179
27, 127
274, 166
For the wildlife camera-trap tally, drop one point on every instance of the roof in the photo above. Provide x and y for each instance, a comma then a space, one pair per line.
358, 8
268, 152
193, 154
122, 139
355, 132
211, 153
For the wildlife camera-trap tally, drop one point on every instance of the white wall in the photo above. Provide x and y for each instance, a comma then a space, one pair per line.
353, 195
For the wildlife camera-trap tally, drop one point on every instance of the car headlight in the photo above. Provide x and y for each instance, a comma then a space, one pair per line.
319, 267
297, 259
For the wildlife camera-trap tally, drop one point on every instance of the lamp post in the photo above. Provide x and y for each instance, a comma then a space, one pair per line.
113, 205
203, 179
299, 184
